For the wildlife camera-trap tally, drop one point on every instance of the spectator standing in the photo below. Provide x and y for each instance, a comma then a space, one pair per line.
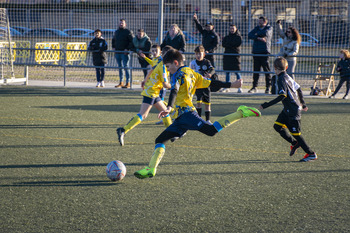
98, 46
122, 41
344, 68
210, 39
232, 44
290, 48
142, 44
174, 38
262, 36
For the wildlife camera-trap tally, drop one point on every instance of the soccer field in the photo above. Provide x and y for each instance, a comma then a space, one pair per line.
56, 142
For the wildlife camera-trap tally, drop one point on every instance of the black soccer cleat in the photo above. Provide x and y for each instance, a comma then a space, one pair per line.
121, 134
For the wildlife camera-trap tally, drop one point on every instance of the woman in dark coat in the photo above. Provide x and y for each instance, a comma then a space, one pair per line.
175, 38
232, 44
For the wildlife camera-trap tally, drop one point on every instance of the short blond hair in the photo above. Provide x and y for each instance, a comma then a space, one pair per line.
346, 53
280, 63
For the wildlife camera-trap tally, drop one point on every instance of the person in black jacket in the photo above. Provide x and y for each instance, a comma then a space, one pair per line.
142, 44
98, 46
210, 39
262, 36
232, 44
288, 121
343, 67
174, 38
122, 41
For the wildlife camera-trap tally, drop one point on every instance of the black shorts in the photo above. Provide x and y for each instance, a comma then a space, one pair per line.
203, 95
151, 101
289, 122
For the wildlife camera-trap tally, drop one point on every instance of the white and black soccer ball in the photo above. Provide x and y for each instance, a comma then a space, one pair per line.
116, 170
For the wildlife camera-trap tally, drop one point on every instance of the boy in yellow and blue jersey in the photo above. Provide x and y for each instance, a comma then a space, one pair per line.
151, 88
293, 103
184, 83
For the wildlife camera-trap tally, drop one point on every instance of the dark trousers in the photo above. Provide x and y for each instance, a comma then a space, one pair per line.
100, 74
341, 82
263, 62
143, 64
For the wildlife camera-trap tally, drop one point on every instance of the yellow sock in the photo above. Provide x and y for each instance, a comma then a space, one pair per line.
227, 120
167, 120
158, 153
132, 123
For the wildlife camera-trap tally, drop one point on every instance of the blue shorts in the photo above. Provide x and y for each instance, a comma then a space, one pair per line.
187, 121
151, 101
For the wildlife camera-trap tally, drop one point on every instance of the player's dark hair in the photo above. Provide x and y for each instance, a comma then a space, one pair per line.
155, 46
173, 55
199, 49
263, 18
98, 30
167, 48
280, 63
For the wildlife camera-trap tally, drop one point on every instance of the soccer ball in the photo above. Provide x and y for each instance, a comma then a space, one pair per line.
116, 170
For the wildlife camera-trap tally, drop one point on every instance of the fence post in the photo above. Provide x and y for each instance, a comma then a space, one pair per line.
64, 66
131, 65
160, 20
26, 74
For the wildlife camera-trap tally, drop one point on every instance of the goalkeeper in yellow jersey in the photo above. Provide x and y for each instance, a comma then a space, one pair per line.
184, 83
151, 88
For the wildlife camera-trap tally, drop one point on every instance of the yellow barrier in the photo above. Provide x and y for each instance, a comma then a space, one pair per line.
76, 55
5, 53
23, 53
45, 54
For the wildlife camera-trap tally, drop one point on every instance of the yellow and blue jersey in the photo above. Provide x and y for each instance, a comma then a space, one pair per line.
153, 62
186, 81
154, 84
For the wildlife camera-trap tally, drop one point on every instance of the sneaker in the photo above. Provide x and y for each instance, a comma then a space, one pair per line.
102, 84
293, 149
249, 111
121, 134
309, 157
127, 85
147, 172
224, 90
98, 84
119, 85
345, 97
176, 138
159, 122
239, 90
267, 91
253, 90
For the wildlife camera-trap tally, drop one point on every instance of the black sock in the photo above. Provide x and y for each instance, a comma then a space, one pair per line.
207, 115
199, 110
285, 134
303, 144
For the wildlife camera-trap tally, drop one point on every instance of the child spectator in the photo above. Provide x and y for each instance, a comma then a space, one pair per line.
98, 46
204, 67
344, 68
292, 98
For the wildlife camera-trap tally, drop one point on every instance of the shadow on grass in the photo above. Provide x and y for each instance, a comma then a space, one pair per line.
64, 183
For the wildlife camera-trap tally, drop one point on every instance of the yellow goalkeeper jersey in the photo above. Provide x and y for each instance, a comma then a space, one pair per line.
186, 81
154, 84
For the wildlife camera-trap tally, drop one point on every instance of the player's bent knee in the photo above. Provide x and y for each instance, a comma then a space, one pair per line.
209, 130
277, 127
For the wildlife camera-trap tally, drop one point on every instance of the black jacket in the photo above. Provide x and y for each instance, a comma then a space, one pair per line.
260, 47
122, 39
344, 68
232, 44
98, 46
210, 39
178, 42
144, 44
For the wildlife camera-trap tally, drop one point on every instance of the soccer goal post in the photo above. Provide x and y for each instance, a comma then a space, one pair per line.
7, 53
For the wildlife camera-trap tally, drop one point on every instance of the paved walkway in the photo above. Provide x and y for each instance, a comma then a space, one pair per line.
37, 83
